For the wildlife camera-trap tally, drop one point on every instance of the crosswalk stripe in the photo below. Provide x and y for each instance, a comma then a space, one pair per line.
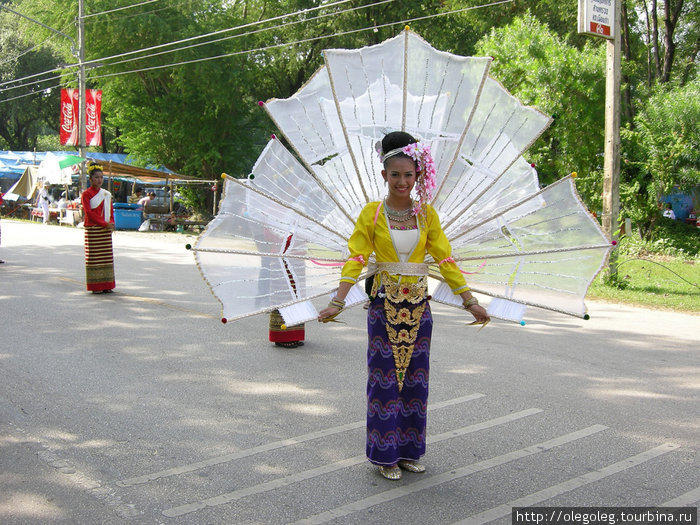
331, 467
567, 486
445, 477
274, 446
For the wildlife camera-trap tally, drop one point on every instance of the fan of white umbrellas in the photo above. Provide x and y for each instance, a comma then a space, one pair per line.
280, 237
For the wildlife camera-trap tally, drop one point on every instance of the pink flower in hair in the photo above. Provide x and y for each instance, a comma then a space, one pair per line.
420, 153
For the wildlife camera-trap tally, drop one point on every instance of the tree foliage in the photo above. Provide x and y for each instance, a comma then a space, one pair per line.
23, 118
542, 70
661, 152
193, 106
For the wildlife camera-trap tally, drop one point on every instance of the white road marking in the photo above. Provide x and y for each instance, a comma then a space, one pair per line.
331, 467
273, 446
567, 486
445, 477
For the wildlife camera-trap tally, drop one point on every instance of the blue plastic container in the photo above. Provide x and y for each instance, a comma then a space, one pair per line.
126, 216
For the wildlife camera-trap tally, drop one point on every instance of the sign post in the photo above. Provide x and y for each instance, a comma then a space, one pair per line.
81, 87
602, 18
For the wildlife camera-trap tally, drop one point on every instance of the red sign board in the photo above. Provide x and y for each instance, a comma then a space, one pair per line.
69, 117
599, 29
93, 126
70, 107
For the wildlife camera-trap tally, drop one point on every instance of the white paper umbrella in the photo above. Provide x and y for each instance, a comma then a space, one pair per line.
280, 237
58, 169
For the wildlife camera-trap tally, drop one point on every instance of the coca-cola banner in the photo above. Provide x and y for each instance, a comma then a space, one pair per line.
70, 105
93, 126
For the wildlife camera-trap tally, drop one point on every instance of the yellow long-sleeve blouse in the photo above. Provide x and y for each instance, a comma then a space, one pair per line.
374, 237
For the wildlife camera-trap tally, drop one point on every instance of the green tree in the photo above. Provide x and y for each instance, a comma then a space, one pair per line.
542, 70
661, 152
24, 118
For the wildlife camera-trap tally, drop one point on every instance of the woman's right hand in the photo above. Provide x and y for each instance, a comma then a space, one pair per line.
479, 313
329, 311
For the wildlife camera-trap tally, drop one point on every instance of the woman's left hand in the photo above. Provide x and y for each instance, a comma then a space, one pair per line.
330, 311
479, 313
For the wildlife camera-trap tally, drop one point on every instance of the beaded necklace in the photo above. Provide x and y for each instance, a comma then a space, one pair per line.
398, 215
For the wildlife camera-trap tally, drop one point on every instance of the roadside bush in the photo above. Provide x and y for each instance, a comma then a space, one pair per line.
669, 238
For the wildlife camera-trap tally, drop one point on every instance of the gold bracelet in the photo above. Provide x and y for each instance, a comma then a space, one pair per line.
336, 303
470, 302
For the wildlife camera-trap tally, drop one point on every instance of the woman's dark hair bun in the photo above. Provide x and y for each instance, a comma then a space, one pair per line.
396, 139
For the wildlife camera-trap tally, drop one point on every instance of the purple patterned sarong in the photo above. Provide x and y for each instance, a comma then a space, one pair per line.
396, 419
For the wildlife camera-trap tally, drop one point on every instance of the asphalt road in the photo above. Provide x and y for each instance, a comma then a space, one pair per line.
141, 407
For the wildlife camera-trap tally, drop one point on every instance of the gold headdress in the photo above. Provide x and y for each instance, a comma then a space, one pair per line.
94, 167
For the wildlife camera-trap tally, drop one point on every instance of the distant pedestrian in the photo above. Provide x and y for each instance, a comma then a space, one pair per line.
668, 212
136, 196
99, 224
43, 201
145, 201
1, 261
279, 333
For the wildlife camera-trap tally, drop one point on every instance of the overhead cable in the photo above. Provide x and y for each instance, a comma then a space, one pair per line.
34, 92
142, 13
120, 8
303, 41
99, 60
264, 48
284, 25
20, 55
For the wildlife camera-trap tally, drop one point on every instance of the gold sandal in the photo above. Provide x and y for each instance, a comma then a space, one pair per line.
411, 466
392, 473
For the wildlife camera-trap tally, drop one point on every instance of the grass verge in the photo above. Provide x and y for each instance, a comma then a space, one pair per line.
661, 272
652, 282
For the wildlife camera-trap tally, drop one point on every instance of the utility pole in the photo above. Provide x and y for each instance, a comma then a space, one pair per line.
611, 181
81, 89
601, 18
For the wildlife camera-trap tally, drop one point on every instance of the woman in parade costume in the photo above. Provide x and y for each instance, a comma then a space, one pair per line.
400, 231
286, 337
281, 335
99, 225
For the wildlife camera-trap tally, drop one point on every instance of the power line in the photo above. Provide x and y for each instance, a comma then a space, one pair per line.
30, 83
144, 13
264, 48
250, 24
284, 25
30, 76
20, 55
39, 23
34, 92
303, 41
214, 33
120, 8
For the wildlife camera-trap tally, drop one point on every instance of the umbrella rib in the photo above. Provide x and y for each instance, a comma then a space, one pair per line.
263, 254
506, 210
309, 170
343, 127
495, 180
467, 126
285, 205
530, 252
405, 81
520, 301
